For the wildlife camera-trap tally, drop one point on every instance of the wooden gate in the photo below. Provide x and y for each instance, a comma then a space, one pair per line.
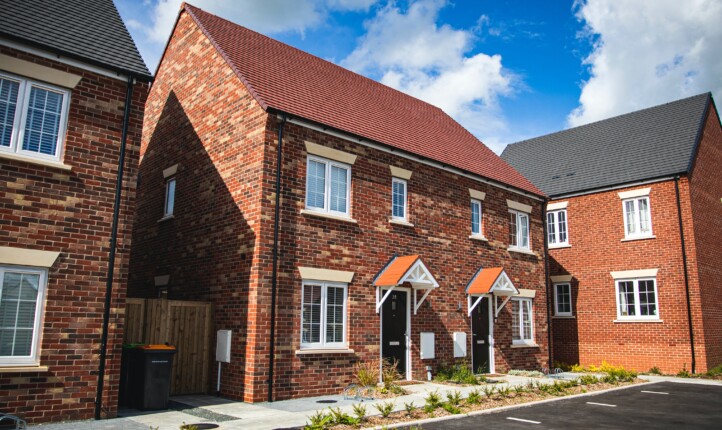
185, 325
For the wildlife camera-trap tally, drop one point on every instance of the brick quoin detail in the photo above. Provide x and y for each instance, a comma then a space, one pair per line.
218, 246
45, 208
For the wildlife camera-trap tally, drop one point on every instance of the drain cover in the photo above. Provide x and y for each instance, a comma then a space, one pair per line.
326, 401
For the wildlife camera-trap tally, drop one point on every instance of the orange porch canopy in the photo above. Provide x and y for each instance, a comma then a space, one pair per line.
407, 269
490, 282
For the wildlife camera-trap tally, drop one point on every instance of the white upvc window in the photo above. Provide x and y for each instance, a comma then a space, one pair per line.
637, 298
33, 117
169, 204
557, 228
323, 315
399, 199
522, 321
22, 297
476, 218
518, 229
328, 185
563, 300
637, 218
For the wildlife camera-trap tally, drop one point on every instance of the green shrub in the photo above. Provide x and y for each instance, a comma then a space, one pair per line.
529, 373
429, 409
561, 365
433, 399
367, 373
519, 389
504, 391
715, 371
655, 371
459, 373
389, 373
360, 411
474, 397
319, 421
684, 373
409, 408
385, 408
452, 409
489, 390
339, 417
453, 398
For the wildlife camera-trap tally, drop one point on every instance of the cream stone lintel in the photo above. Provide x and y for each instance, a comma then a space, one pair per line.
478, 195
561, 278
634, 193
556, 206
172, 170
518, 206
161, 281
627, 274
27, 257
398, 172
330, 153
529, 294
312, 273
36, 71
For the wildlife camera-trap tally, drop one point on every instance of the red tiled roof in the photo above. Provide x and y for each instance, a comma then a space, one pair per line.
289, 80
395, 271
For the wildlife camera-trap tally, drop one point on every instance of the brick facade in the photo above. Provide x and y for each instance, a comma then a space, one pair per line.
70, 212
218, 245
596, 235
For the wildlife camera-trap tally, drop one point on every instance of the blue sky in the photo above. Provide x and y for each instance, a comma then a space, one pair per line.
505, 69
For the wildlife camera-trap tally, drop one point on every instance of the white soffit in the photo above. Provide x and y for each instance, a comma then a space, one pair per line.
41, 73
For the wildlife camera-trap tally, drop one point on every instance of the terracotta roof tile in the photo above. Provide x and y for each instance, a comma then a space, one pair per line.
396, 270
292, 81
484, 280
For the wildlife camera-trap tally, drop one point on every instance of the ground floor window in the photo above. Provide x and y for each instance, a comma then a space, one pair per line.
637, 298
323, 315
22, 295
522, 326
563, 300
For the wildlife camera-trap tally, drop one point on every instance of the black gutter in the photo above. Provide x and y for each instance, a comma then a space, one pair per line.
686, 275
547, 284
111, 257
274, 275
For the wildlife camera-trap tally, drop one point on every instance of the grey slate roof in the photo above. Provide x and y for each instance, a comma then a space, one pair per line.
88, 30
646, 144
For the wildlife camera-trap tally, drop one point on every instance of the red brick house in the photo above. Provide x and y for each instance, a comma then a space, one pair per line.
634, 229
72, 91
399, 234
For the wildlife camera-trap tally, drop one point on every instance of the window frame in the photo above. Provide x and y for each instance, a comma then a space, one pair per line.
557, 231
170, 180
637, 303
522, 313
395, 180
557, 312
518, 214
327, 186
323, 344
478, 203
637, 219
21, 115
34, 358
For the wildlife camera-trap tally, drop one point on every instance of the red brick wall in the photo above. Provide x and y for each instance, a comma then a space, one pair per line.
596, 230
70, 212
706, 203
219, 245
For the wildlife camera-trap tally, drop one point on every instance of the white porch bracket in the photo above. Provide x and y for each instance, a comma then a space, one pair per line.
380, 300
498, 307
471, 306
417, 304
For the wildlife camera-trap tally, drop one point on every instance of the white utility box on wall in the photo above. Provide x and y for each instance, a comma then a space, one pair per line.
459, 344
427, 345
223, 346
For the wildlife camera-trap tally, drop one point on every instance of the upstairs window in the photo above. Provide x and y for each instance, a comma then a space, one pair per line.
476, 218
22, 292
323, 315
327, 186
399, 199
33, 118
557, 228
637, 220
169, 205
518, 230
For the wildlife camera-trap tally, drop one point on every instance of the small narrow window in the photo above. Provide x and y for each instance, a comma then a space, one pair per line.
637, 299
327, 186
637, 219
323, 315
522, 326
557, 228
563, 300
476, 218
399, 199
169, 197
518, 230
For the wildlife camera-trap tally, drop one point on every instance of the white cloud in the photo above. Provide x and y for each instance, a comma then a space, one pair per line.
408, 51
648, 53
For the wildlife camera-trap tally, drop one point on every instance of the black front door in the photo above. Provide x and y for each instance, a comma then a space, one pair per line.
480, 336
393, 330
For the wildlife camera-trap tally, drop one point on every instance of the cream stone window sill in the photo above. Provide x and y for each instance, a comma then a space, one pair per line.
631, 239
166, 218
525, 345
38, 161
564, 317
24, 369
522, 251
400, 222
324, 351
478, 237
565, 245
328, 215
638, 320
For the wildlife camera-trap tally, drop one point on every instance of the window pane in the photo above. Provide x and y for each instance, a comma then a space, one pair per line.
315, 184
626, 299
338, 188
398, 197
515, 329
562, 222
311, 314
647, 305
629, 211
17, 313
643, 215
43, 121
512, 229
523, 231
334, 314
170, 197
551, 228
564, 299
8, 104
475, 218
526, 316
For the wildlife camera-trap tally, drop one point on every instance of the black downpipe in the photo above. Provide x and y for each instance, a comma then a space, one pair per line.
547, 285
686, 275
111, 257
274, 275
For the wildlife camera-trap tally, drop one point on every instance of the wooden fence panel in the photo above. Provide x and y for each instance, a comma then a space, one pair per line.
185, 325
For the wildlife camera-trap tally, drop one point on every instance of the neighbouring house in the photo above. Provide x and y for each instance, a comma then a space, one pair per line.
66, 72
634, 230
399, 234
